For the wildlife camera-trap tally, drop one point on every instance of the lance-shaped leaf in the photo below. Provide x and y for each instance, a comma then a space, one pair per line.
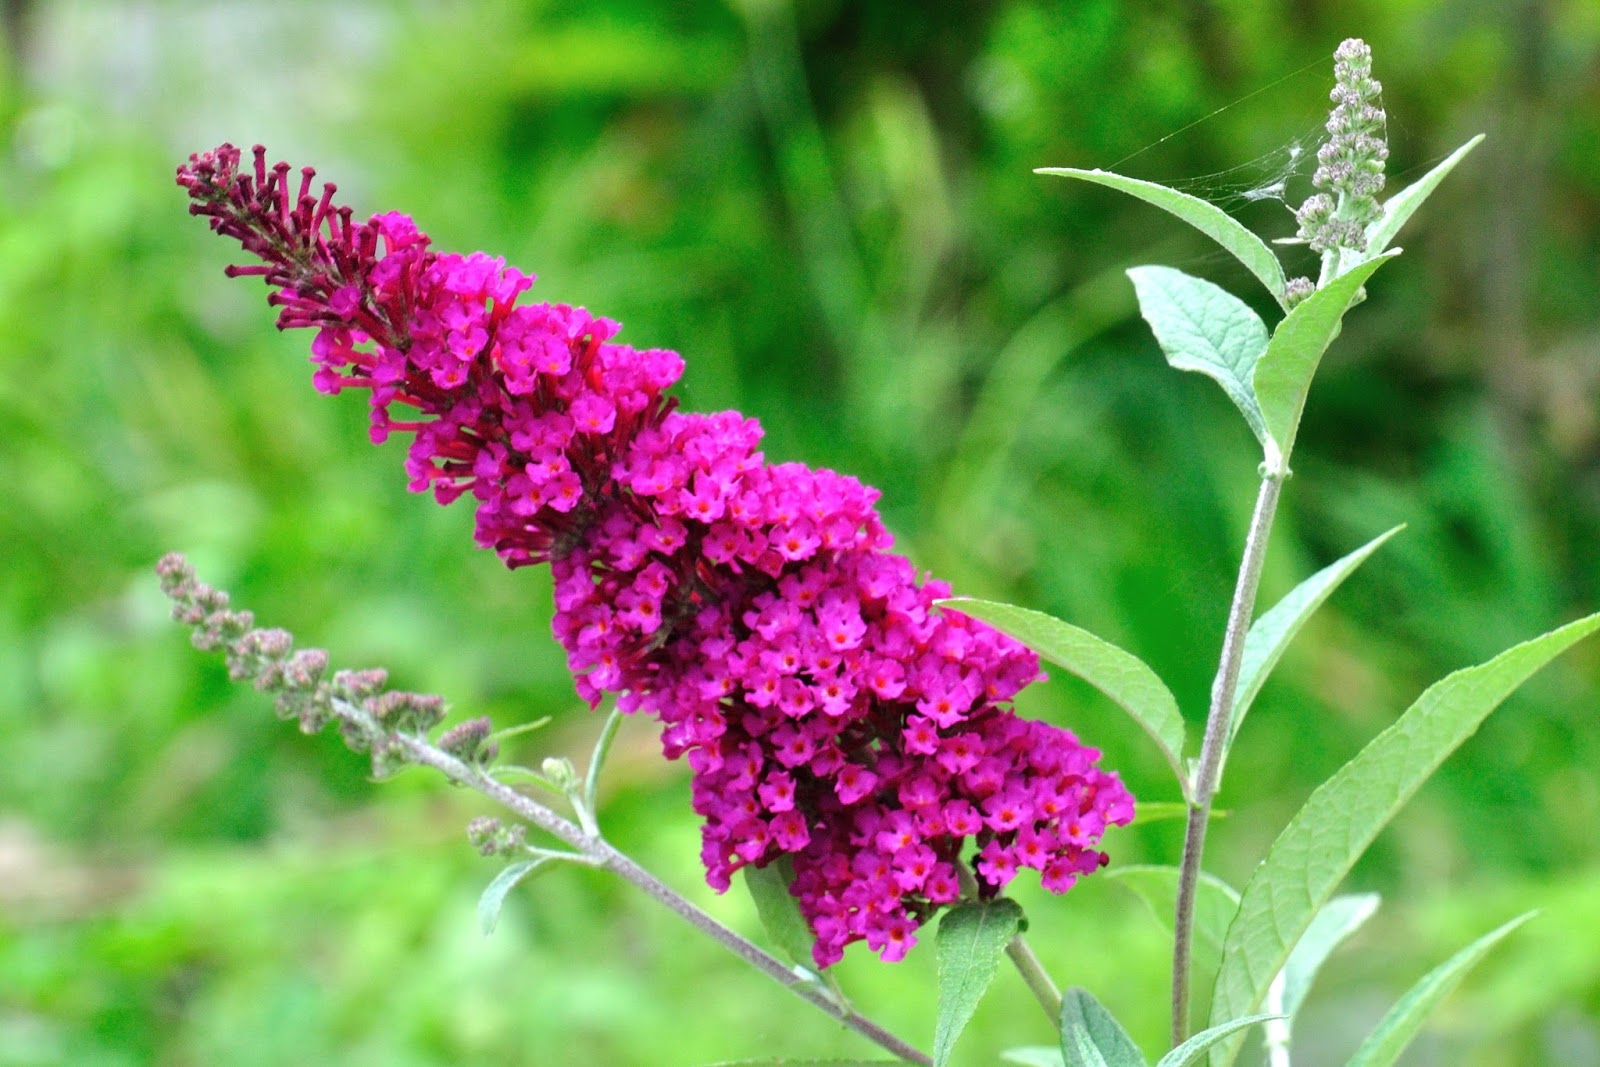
1122, 676
1396, 1029
971, 938
1034, 1056
1092, 1037
493, 898
1191, 1050
1338, 919
1271, 633
1399, 207
1204, 216
1284, 371
1325, 838
1204, 328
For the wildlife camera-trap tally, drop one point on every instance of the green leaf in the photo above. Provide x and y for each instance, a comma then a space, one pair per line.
1324, 840
1284, 372
1092, 1037
1191, 1049
1120, 675
779, 910
1215, 903
494, 897
1203, 327
1399, 207
1271, 633
1204, 216
1396, 1029
1034, 1056
1336, 921
971, 938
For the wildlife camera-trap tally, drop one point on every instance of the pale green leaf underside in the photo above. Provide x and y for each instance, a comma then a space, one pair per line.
1270, 634
1284, 371
971, 938
1403, 1021
1322, 842
1215, 903
1335, 921
1206, 217
1120, 675
1092, 1037
1204, 328
1191, 1050
494, 895
779, 910
1034, 1056
1399, 207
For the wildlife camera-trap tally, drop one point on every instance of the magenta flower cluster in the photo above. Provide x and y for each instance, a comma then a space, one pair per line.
829, 712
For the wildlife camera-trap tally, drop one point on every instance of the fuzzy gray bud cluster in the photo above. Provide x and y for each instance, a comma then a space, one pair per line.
1350, 163
296, 678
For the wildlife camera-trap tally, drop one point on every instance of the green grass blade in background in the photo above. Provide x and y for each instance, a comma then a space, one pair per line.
1325, 838
1204, 328
1396, 1029
1399, 207
1120, 675
1271, 633
1092, 1037
971, 939
1204, 216
1284, 372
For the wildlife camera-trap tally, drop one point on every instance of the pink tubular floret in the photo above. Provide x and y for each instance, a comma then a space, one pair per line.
829, 712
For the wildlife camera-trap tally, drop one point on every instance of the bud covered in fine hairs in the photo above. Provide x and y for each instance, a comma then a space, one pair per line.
1350, 163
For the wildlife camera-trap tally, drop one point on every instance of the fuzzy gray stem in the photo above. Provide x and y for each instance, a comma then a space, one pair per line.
808, 988
1211, 748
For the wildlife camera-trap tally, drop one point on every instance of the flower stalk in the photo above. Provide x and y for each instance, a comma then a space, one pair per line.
388, 726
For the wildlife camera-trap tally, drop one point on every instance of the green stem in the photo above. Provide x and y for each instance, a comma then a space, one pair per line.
1209, 771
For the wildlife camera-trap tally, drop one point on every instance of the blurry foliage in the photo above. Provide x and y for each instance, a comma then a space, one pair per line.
830, 211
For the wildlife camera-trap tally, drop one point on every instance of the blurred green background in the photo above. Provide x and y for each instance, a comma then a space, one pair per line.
829, 209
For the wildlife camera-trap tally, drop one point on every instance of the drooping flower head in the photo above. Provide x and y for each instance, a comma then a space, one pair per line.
829, 713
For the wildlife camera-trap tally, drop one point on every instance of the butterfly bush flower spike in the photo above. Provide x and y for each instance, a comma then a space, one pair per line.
829, 713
